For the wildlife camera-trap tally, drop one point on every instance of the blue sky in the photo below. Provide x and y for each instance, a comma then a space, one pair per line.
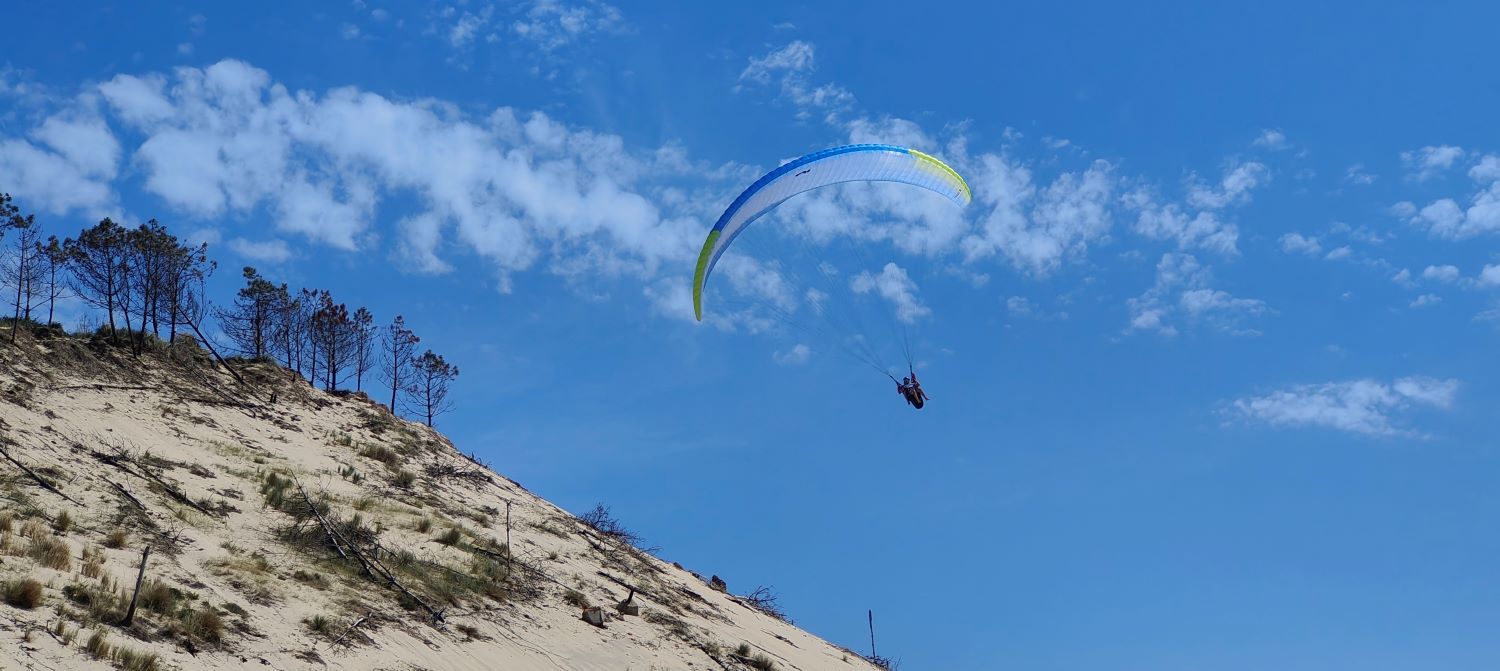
1212, 352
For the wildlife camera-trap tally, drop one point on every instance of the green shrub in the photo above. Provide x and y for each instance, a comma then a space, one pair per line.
450, 537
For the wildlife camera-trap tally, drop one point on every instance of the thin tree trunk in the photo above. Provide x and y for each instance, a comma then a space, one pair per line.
140, 577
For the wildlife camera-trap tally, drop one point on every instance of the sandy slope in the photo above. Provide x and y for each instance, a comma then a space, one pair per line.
68, 410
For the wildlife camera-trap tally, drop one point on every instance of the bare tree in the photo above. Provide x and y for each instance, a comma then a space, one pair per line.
398, 350
188, 269
364, 346
433, 376
98, 263
20, 268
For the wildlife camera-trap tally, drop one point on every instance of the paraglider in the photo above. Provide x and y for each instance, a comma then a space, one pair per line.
911, 390
849, 163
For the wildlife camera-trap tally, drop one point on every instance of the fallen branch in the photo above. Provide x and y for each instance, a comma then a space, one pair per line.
128, 496
350, 629
34, 476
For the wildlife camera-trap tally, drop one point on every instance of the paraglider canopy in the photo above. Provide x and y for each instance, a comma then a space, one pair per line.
849, 163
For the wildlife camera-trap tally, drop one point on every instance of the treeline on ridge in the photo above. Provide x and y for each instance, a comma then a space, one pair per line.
145, 285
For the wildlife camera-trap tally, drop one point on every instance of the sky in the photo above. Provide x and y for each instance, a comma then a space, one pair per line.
1211, 354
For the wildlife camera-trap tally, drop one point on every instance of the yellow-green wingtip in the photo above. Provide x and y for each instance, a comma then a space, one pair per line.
701, 273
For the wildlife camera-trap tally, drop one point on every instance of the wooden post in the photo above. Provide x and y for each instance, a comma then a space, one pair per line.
509, 551
872, 633
139, 578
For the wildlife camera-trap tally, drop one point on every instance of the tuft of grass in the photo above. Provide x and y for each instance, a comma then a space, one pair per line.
25, 594
134, 660
7, 520
319, 624
98, 645
116, 539
575, 598
405, 479
450, 537
424, 525
351, 474
157, 597
63, 523
743, 650
315, 580
51, 552
762, 663
364, 503
275, 488
203, 624
382, 454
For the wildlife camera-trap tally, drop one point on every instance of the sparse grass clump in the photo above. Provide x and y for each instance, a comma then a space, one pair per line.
203, 624
7, 520
116, 539
351, 474
275, 488
51, 552
364, 503
98, 645
63, 523
25, 594
382, 454
424, 525
319, 624
575, 598
743, 650
133, 660
762, 663
450, 537
405, 479
315, 580
157, 597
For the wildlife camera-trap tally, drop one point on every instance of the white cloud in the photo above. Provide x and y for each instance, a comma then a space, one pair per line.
515, 189
1233, 188
1341, 252
791, 66
1182, 291
1168, 222
1440, 273
893, 285
1490, 276
1356, 174
267, 251
1360, 406
1036, 229
552, 24
68, 164
797, 355
349, 31
1296, 243
1426, 300
1486, 170
1403, 278
1428, 162
1272, 139
1019, 306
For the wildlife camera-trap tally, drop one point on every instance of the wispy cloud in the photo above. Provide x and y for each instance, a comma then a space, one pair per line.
1182, 296
895, 286
1367, 407
1446, 218
1296, 243
1428, 162
1272, 139
790, 68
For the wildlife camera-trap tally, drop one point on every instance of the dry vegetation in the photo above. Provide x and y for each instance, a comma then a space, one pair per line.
308, 532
